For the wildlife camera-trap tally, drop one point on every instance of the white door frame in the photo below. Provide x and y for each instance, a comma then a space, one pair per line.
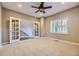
10, 29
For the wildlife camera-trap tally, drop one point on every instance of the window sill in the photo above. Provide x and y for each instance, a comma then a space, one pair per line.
58, 33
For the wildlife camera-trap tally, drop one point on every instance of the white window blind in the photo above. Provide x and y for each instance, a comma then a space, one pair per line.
59, 26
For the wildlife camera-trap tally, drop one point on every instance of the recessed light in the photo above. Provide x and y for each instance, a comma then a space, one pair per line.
19, 5
63, 3
40, 14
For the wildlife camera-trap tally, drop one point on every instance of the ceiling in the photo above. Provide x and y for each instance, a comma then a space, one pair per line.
27, 9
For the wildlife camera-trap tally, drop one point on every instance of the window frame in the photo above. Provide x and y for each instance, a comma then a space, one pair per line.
52, 26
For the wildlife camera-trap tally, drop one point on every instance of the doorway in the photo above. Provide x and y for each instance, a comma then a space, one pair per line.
14, 29
36, 29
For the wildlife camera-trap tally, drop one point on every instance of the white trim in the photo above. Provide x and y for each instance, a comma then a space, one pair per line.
11, 41
73, 43
5, 43
23, 36
39, 0
0, 45
58, 33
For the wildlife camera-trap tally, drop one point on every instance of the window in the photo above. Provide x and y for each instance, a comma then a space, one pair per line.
59, 26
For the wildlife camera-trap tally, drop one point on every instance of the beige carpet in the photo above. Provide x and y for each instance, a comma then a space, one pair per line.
40, 47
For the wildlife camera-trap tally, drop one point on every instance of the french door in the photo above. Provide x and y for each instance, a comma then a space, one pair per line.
14, 27
36, 29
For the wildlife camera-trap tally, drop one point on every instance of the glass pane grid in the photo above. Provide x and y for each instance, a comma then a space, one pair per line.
15, 29
59, 26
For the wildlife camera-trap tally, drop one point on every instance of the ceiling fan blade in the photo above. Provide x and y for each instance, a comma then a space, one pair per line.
37, 11
34, 6
48, 7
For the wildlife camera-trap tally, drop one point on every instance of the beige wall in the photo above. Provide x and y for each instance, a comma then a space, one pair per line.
42, 26
73, 25
0, 24
6, 13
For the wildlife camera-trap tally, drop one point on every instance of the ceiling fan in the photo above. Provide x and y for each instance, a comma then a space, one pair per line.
41, 8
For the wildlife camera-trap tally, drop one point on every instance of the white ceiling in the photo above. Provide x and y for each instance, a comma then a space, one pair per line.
27, 9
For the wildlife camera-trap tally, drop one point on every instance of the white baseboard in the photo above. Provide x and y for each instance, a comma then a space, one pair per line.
73, 43
5, 43
65, 41
0, 45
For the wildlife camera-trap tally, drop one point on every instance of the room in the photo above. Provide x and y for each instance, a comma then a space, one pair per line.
39, 28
